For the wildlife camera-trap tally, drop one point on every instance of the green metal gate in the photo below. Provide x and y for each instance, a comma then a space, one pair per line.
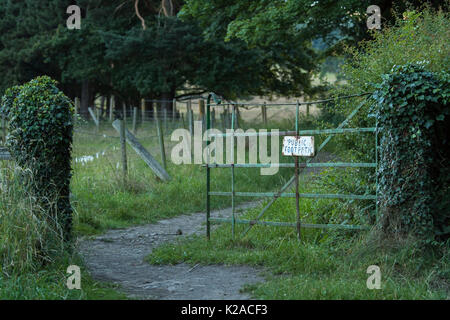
294, 179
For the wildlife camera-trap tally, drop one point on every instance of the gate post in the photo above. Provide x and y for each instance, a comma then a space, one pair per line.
208, 178
297, 196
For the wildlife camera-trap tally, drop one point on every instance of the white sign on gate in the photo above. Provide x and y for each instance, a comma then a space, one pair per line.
298, 146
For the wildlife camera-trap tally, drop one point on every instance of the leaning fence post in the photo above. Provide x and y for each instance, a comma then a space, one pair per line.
161, 140
123, 148
91, 112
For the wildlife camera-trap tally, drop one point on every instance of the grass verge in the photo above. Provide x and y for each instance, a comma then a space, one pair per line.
325, 264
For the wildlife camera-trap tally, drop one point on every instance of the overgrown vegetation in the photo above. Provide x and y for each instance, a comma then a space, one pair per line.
33, 259
40, 140
35, 210
414, 151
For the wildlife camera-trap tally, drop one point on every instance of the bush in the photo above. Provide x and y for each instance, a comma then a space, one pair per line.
414, 37
414, 150
40, 138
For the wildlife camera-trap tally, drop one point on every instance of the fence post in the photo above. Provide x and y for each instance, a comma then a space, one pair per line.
123, 148
161, 140
134, 120
165, 117
307, 110
174, 111
143, 110
297, 195
77, 105
223, 116
208, 177
201, 110
213, 117
77, 108
124, 110
102, 105
264, 114
112, 105
233, 216
190, 119
98, 114
182, 120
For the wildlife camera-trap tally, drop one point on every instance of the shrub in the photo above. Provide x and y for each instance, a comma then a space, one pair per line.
414, 37
414, 150
40, 138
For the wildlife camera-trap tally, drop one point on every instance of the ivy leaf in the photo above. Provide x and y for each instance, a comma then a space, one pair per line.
429, 123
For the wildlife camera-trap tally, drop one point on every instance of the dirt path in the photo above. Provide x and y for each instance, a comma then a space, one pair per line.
118, 257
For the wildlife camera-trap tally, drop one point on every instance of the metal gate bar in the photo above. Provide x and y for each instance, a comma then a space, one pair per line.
290, 133
301, 165
291, 224
292, 195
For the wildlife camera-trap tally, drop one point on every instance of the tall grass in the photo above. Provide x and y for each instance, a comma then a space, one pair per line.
33, 255
29, 236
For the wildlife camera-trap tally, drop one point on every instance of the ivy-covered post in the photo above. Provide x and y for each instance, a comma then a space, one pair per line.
40, 140
413, 177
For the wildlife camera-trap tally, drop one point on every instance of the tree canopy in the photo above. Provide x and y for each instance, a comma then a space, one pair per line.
168, 48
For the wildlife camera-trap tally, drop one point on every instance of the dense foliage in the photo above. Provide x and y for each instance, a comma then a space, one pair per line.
236, 48
416, 36
40, 139
414, 150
